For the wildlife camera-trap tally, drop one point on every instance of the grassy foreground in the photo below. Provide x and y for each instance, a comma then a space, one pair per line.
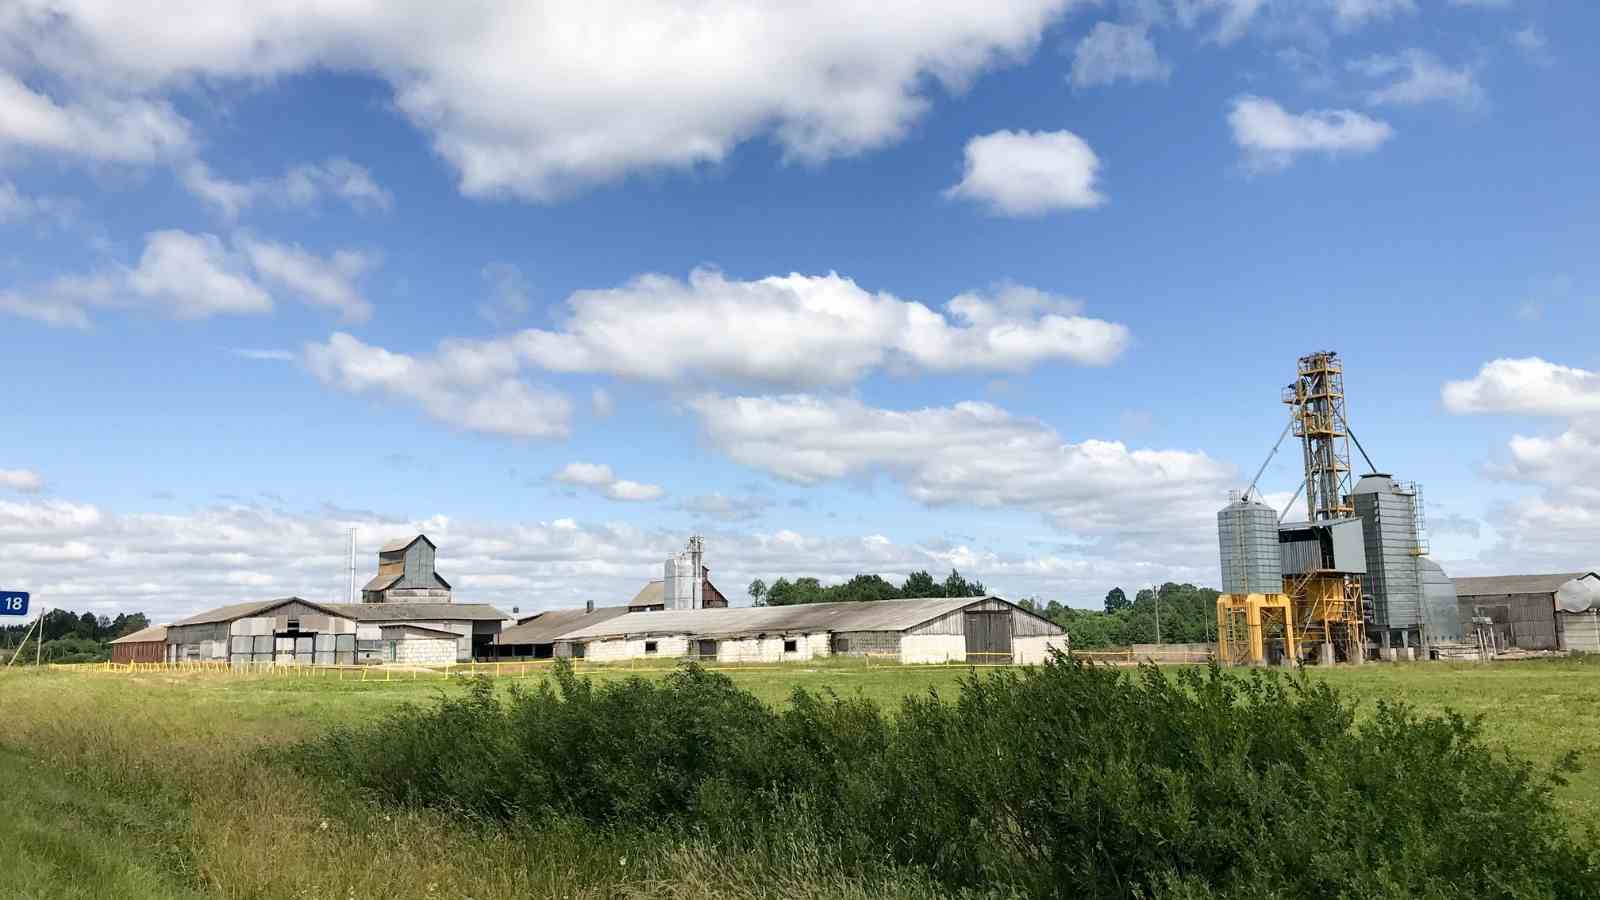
158, 786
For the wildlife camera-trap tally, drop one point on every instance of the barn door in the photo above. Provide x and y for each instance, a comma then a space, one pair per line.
988, 635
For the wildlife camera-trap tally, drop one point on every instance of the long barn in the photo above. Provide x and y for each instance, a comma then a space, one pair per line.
925, 630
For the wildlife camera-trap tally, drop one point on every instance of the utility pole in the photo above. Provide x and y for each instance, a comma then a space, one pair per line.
1156, 593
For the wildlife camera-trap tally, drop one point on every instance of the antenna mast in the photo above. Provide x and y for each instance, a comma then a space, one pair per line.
350, 591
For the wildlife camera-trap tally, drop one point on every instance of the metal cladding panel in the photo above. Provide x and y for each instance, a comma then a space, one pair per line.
1247, 538
1440, 610
1393, 574
1349, 546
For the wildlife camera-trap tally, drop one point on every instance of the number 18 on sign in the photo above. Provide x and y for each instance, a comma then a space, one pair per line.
13, 603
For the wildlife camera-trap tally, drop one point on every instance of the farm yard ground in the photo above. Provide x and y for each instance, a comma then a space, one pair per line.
161, 785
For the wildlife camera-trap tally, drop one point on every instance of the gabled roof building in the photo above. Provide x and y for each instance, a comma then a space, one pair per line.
923, 630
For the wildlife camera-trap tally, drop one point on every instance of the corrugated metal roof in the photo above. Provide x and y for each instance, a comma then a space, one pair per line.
547, 626
1516, 584
652, 594
879, 615
416, 612
399, 544
382, 581
245, 610
144, 635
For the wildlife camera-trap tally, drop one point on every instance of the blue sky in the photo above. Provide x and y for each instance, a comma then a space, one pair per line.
1011, 289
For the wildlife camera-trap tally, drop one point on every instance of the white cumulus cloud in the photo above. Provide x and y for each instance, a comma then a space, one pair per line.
799, 330
1272, 136
300, 187
1528, 386
1029, 173
469, 390
1419, 77
539, 100
974, 454
321, 282
188, 275
1112, 52
96, 127
599, 478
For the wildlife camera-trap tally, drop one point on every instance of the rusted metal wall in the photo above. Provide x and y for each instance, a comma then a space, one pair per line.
141, 651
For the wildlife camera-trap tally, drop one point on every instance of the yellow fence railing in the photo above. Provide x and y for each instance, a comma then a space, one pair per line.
515, 668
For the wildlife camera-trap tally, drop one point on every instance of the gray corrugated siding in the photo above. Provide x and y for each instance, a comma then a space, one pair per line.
1520, 620
1390, 525
860, 642
1247, 539
1580, 632
419, 570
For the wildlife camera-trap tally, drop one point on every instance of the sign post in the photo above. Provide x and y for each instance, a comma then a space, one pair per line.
15, 603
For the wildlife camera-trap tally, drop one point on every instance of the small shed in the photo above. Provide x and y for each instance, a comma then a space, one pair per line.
418, 645
144, 645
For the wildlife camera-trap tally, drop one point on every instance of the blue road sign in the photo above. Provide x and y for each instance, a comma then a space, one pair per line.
13, 603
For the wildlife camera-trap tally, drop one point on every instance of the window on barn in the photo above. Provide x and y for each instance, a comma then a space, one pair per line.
790, 645
649, 646
294, 625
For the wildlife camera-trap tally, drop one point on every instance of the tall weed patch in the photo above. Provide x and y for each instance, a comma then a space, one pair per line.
1064, 780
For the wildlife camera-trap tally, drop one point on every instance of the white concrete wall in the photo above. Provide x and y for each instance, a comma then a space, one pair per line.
667, 646
425, 651
819, 644
770, 649
1032, 651
933, 648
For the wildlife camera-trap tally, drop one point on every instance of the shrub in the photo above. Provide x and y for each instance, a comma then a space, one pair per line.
1063, 780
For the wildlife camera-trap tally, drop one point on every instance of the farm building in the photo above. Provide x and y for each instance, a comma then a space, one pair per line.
535, 636
1523, 612
292, 630
406, 616
934, 629
144, 645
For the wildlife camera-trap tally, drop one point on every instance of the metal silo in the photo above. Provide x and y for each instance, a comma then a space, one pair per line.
1391, 522
1247, 536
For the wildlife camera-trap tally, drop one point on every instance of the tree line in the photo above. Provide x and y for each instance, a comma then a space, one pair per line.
1186, 612
73, 637
862, 588
1187, 615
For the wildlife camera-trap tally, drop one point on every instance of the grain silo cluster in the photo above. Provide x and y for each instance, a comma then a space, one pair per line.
1353, 580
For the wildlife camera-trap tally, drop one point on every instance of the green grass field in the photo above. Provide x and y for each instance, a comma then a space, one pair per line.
164, 785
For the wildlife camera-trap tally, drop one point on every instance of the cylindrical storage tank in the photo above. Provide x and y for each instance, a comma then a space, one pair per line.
1247, 536
1441, 617
1388, 514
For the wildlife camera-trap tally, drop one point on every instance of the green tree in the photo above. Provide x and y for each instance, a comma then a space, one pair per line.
921, 584
124, 625
1116, 600
758, 592
864, 588
781, 593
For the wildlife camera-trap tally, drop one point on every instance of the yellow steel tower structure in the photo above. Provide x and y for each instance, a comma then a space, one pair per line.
1326, 603
1276, 615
